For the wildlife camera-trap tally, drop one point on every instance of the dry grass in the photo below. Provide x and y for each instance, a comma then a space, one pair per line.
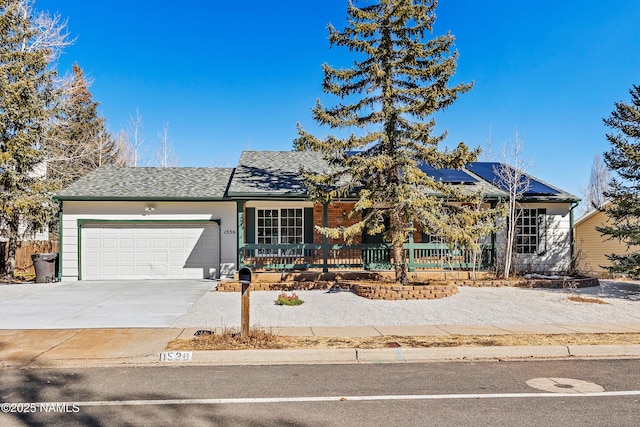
230, 339
578, 298
264, 339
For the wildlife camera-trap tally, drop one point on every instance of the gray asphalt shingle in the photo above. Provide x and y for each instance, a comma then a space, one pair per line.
273, 172
258, 174
150, 183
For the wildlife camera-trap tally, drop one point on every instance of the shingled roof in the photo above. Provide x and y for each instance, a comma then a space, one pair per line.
273, 173
265, 174
129, 183
277, 174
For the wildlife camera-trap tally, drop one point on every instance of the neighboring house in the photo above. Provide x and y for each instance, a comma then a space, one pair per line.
592, 247
139, 223
40, 170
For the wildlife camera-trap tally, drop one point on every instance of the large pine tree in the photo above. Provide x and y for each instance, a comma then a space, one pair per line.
399, 80
26, 96
624, 191
79, 141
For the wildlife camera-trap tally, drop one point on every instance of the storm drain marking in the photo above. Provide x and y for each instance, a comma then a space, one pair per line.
565, 385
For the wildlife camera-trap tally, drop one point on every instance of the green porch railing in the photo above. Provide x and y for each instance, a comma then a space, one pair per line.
359, 256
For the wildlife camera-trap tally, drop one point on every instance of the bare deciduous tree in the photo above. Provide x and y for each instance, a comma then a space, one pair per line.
599, 182
511, 177
166, 155
136, 140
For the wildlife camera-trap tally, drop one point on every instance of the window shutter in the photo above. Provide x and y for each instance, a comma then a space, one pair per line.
308, 225
250, 220
542, 231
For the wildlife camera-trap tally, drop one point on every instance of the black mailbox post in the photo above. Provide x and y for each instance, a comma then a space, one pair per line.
244, 277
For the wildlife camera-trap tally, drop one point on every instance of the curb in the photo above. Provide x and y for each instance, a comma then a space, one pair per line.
346, 356
406, 355
273, 357
459, 353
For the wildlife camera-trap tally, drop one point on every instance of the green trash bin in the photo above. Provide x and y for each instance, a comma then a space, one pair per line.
45, 266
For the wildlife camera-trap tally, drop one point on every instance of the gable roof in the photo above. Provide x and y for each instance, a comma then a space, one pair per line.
136, 183
591, 213
273, 173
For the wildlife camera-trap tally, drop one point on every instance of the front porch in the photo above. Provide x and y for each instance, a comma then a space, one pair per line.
364, 257
283, 237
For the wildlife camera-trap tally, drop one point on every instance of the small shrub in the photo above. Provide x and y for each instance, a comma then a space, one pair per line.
288, 299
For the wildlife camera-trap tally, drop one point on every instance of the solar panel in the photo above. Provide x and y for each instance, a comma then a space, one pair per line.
487, 171
450, 176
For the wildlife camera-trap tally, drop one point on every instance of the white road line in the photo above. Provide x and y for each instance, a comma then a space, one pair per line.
252, 400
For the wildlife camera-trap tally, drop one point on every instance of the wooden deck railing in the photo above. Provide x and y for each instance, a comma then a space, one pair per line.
359, 256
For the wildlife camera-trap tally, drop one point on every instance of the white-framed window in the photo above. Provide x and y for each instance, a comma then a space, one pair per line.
531, 231
279, 226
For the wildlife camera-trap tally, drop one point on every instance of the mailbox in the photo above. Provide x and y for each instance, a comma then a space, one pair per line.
244, 275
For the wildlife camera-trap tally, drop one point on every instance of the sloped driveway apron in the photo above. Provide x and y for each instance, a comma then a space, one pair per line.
104, 304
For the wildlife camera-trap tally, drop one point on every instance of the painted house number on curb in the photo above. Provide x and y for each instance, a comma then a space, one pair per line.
176, 356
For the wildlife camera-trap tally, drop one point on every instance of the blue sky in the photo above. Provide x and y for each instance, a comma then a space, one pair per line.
229, 76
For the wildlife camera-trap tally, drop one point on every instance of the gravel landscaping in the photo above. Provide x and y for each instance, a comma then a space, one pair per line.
481, 306
471, 306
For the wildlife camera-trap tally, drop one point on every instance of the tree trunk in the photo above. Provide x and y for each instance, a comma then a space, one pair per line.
398, 235
10, 258
399, 264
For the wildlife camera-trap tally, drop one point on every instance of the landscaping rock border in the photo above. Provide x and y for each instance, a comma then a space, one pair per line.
392, 291
533, 283
407, 292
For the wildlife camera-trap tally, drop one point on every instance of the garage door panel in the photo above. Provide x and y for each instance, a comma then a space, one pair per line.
110, 257
142, 242
140, 251
125, 270
176, 243
93, 243
127, 243
160, 257
142, 270
159, 243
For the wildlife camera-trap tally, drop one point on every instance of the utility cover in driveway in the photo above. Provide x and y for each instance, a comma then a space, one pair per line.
150, 251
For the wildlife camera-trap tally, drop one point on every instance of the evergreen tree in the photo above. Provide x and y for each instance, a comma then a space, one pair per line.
624, 190
79, 141
401, 79
26, 96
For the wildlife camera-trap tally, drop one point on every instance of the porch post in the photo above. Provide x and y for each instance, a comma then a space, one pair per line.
411, 267
240, 232
325, 239
492, 261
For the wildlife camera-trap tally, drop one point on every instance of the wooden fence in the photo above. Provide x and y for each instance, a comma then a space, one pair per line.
24, 264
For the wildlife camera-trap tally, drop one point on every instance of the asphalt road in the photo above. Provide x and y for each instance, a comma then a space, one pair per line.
463, 393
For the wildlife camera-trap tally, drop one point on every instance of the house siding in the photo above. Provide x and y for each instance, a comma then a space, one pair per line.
337, 216
73, 211
557, 257
592, 247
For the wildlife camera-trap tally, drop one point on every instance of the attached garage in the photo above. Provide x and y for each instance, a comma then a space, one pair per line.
149, 250
148, 223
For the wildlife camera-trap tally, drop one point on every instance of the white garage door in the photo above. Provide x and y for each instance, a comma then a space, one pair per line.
150, 251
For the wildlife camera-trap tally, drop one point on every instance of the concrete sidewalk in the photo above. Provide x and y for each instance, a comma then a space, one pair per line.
143, 346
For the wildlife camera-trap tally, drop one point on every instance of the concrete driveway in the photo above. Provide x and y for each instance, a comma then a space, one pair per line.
99, 304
